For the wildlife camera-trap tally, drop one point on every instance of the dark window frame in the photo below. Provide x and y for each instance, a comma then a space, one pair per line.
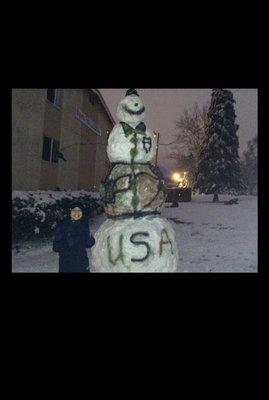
51, 95
50, 148
55, 149
46, 149
55, 97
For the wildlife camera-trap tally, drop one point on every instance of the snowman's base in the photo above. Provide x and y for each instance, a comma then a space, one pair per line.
141, 245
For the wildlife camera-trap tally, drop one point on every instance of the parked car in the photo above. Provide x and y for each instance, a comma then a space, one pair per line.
177, 195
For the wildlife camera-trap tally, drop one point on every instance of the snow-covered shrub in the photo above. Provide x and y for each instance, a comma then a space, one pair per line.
35, 214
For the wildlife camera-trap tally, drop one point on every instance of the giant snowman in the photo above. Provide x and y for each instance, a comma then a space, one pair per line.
134, 238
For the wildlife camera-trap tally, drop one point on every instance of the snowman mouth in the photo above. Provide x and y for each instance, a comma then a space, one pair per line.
139, 112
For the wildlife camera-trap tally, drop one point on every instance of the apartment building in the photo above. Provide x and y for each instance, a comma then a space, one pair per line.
59, 139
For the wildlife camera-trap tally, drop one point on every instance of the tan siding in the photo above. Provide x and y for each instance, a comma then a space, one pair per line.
52, 121
70, 140
33, 116
87, 168
52, 129
48, 176
28, 108
101, 159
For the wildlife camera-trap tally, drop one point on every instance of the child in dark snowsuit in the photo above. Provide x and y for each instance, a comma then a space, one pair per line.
72, 238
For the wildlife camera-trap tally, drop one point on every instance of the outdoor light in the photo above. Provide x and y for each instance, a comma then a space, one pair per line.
176, 177
180, 179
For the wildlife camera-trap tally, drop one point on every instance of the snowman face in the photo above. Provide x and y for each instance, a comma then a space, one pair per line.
131, 109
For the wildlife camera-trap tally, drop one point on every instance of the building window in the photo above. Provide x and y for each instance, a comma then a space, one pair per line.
91, 97
46, 148
55, 150
55, 96
50, 150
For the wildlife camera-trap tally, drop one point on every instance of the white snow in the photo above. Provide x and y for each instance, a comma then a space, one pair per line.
211, 238
42, 197
217, 237
151, 240
48, 196
119, 147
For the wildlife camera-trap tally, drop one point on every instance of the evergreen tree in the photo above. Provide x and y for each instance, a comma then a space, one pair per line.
219, 166
249, 166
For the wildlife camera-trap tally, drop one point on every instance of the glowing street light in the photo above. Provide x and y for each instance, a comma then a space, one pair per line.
177, 177
181, 180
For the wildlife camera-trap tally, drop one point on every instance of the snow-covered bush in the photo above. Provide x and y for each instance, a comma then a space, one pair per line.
35, 214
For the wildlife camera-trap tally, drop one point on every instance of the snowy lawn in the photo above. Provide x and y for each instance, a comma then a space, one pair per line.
211, 238
216, 237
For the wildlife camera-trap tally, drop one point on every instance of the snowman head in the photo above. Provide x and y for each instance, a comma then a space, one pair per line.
131, 108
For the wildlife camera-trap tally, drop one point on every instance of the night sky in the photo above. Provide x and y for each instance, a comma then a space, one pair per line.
165, 106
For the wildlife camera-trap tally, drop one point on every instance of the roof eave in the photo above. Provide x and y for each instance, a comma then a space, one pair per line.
98, 93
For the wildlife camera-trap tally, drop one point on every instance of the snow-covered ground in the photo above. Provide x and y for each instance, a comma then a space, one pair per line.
211, 238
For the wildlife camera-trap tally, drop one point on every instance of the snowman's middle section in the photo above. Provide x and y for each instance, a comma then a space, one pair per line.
133, 190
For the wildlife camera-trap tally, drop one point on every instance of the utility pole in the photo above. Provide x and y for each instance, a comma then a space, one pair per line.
157, 136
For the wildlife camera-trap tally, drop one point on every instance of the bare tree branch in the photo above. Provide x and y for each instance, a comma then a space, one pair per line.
190, 137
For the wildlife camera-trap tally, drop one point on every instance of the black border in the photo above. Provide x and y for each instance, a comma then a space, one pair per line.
231, 279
